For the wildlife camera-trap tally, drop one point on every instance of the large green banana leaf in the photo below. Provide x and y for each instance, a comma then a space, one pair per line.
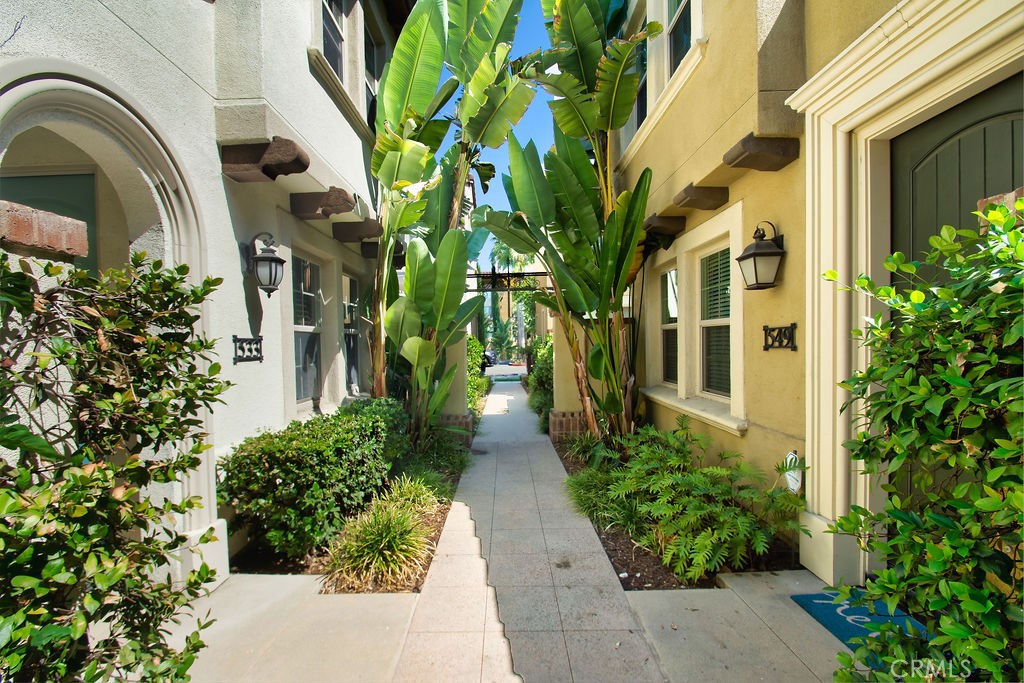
484, 76
532, 192
577, 26
571, 197
450, 277
404, 161
633, 232
503, 107
402, 320
419, 276
574, 109
618, 79
414, 71
570, 150
467, 310
495, 24
506, 226
461, 14
440, 394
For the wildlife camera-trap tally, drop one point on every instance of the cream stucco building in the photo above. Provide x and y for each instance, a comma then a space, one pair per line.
855, 128
188, 129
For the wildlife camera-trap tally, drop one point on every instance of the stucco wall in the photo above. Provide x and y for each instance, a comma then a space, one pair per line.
834, 24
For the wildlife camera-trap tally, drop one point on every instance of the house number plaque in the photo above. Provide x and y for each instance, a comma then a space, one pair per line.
780, 337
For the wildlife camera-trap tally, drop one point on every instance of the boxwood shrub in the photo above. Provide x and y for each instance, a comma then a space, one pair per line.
295, 487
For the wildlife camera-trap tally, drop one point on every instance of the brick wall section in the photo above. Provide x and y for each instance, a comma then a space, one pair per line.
462, 422
562, 424
22, 227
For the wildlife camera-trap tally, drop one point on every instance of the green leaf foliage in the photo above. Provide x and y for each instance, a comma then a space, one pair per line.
86, 548
940, 415
295, 487
699, 517
414, 70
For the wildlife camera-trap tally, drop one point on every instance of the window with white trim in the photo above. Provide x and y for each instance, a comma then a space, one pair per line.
373, 66
334, 36
669, 327
307, 321
714, 323
680, 31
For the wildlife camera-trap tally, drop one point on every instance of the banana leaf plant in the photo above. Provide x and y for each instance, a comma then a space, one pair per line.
422, 192
429, 317
566, 211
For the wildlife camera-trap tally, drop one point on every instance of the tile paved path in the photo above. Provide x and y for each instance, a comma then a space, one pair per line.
564, 612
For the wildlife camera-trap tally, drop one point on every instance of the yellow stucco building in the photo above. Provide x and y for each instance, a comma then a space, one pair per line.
855, 129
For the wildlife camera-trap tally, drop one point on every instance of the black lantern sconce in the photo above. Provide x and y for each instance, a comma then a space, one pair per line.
759, 262
266, 266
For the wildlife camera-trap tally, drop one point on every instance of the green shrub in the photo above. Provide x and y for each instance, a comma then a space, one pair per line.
541, 381
477, 384
387, 422
295, 487
589, 492
379, 549
943, 422
88, 547
700, 518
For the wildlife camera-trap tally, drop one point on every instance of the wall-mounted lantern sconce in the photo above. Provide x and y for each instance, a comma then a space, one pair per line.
266, 266
759, 262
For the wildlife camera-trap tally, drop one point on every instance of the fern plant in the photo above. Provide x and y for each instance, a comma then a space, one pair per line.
700, 517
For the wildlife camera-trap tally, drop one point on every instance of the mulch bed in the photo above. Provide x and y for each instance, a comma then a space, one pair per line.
257, 558
639, 569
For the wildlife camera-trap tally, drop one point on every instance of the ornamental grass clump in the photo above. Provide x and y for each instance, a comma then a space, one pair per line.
941, 408
379, 550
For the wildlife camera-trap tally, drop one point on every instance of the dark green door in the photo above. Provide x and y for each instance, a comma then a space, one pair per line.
73, 196
941, 168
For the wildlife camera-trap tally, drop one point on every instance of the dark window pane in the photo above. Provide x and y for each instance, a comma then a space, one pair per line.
669, 297
307, 366
333, 52
680, 37
716, 359
669, 356
641, 103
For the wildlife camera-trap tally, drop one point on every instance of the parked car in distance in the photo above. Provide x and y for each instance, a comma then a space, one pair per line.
489, 359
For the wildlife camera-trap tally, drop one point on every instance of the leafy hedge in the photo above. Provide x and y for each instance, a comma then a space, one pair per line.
541, 381
102, 384
295, 487
942, 418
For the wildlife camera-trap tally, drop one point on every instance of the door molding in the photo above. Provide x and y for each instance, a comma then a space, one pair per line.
921, 58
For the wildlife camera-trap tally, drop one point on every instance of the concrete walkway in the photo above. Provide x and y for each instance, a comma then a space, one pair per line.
520, 586
564, 612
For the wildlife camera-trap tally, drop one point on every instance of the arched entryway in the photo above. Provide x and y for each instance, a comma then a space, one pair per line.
75, 148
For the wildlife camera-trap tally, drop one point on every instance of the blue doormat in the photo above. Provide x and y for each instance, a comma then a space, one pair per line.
846, 621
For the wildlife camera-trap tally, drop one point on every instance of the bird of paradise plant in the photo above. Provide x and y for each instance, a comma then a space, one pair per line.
566, 211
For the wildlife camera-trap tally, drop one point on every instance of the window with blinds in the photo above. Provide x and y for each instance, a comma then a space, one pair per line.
714, 322
669, 327
306, 320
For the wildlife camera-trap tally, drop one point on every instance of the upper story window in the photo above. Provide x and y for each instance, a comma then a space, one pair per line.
334, 36
373, 60
669, 327
714, 323
680, 32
